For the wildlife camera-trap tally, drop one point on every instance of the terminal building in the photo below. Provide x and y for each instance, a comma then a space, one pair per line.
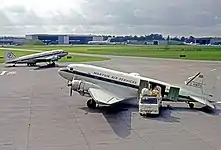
64, 39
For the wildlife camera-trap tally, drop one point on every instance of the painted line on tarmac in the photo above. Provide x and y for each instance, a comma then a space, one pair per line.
7, 73
3, 72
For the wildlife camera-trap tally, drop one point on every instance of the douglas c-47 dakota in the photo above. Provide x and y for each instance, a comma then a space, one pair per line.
108, 87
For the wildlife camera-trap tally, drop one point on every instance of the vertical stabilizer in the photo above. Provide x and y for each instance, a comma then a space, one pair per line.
195, 81
210, 83
109, 39
204, 83
9, 56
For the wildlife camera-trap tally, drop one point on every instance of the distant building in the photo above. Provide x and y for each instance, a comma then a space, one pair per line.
208, 40
64, 39
6, 40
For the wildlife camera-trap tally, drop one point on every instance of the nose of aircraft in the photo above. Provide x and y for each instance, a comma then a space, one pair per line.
66, 74
64, 54
62, 71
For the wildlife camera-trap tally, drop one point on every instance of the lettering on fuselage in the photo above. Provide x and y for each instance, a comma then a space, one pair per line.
115, 78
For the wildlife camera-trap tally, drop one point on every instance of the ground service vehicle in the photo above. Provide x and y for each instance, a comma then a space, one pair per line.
150, 102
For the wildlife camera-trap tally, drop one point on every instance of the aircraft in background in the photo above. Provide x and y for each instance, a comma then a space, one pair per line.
107, 42
108, 87
32, 59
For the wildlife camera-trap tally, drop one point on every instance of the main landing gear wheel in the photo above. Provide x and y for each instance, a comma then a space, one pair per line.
53, 64
191, 105
91, 104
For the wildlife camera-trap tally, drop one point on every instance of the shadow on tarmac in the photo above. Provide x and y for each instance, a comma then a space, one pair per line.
37, 67
119, 116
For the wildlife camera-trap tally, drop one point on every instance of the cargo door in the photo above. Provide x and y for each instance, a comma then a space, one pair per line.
173, 93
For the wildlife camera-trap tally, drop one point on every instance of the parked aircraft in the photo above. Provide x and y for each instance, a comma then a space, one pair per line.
32, 59
107, 87
107, 42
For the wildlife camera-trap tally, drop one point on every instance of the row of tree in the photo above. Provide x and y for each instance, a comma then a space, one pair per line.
151, 37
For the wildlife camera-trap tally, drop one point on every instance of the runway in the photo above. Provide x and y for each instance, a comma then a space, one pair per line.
36, 112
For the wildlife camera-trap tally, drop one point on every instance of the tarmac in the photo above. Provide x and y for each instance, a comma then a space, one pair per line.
37, 113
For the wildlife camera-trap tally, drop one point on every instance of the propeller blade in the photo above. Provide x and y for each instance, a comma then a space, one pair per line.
71, 91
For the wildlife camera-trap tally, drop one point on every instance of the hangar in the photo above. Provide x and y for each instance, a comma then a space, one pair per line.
64, 39
208, 40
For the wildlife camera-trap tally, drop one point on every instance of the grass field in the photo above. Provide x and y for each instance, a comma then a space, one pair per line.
191, 52
73, 59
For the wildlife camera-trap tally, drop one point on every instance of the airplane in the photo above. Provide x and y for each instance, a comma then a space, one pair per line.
32, 59
107, 42
108, 87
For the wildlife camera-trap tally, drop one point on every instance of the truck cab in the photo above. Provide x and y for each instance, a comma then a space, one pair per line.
150, 102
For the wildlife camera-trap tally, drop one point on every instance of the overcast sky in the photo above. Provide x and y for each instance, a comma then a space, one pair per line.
119, 17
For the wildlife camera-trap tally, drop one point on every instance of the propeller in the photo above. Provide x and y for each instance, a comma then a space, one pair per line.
69, 83
71, 91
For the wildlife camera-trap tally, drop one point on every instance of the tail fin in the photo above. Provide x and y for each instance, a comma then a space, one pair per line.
206, 84
109, 39
210, 83
9, 56
195, 81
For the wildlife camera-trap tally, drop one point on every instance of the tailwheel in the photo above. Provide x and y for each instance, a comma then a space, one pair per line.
191, 105
91, 104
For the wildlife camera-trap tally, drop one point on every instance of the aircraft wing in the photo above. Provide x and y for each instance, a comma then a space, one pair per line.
103, 96
202, 101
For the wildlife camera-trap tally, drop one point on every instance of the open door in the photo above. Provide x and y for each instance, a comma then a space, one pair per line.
173, 93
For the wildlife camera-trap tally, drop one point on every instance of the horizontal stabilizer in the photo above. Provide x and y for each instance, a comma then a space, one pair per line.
215, 102
202, 101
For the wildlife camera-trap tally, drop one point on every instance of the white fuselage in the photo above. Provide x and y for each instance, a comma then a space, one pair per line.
124, 85
127, 86
42, 55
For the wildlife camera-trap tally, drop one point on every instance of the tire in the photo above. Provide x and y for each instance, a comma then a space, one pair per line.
91, 104
191, 105
53, 64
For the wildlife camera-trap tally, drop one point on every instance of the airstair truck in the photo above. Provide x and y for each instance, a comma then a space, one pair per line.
150, 101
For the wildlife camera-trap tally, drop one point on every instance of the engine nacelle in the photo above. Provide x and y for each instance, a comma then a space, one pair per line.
81, 86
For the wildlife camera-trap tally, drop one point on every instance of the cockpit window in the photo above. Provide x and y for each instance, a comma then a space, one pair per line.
71, 69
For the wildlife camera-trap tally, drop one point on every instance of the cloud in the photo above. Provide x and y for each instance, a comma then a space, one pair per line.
175, 17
